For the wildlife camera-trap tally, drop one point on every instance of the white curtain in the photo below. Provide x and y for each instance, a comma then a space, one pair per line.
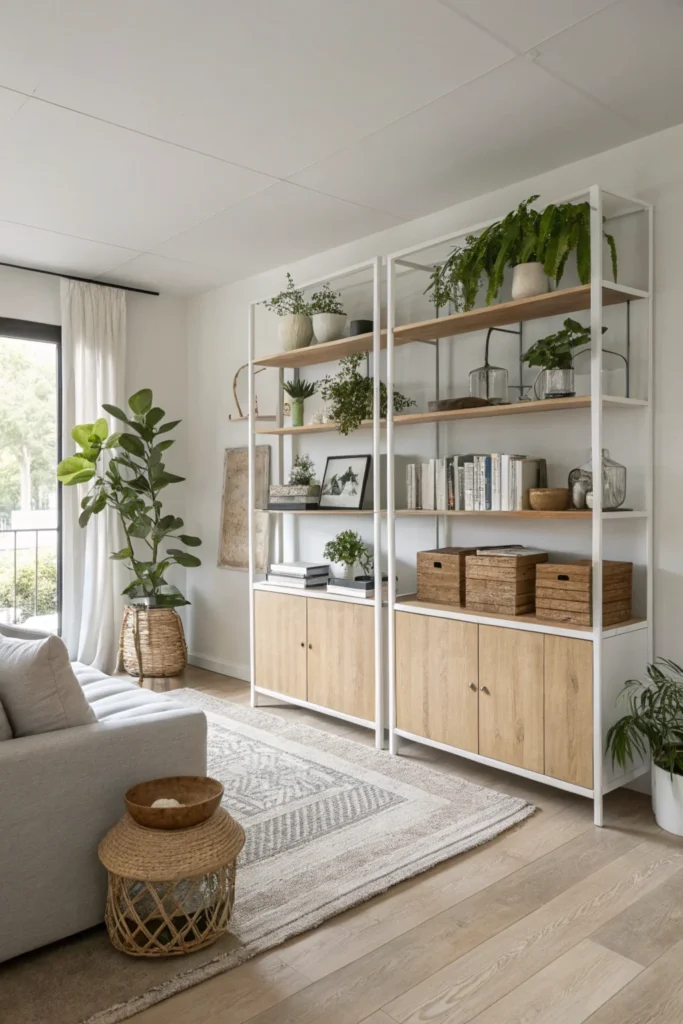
93, 366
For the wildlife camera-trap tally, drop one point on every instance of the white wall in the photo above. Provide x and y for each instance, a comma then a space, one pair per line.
650, 168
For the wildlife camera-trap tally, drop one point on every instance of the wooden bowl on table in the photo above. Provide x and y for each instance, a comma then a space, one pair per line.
199, 796
549, 499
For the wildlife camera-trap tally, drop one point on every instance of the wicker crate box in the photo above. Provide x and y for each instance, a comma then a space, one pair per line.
564, 593
502, 584
441, 575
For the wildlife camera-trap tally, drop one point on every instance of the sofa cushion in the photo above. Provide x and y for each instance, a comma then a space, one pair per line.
5, 727
115, 698
38, 688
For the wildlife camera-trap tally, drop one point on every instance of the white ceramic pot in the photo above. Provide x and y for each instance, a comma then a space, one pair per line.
342, 571
295, 331
667, 800
528, 279
328, 326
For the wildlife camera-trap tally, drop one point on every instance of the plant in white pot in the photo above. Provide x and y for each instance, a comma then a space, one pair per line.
654, 727
346, 551
295, 329
329, 318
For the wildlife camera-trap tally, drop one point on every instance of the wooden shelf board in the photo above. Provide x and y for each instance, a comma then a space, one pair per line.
524, 514
321, 511
319, 593
557, 303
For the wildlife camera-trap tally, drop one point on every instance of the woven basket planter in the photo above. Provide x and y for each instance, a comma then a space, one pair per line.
152, 642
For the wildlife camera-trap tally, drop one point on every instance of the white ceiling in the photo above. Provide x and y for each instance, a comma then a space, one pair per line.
180, 146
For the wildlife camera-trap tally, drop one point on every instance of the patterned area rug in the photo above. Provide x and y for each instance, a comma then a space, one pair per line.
329, 823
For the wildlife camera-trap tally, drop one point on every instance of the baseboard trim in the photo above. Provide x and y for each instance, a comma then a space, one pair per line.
224, 668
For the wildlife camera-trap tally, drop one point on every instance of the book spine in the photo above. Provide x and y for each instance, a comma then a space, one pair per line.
469, 486
495, 483
517, 507
488, 483
460, 494
505, 483
450, 482
418, 485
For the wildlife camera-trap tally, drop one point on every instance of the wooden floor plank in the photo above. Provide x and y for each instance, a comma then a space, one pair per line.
654, 997
571, 988
460, 990
648, 928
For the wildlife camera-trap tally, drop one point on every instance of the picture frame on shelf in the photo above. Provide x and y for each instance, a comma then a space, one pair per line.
345, 481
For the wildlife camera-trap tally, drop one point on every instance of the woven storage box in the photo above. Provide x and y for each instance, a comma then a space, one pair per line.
441, 575
564, 593
502, 584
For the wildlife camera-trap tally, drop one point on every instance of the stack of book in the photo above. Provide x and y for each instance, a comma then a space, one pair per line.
475, 483
299, 575
356, 588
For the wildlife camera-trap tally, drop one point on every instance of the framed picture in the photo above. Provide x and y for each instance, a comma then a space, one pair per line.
345, 481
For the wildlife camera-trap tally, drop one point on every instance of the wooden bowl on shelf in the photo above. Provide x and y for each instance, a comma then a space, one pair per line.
549, 499
198, 795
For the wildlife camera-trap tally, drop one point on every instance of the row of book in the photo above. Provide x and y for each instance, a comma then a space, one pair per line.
475, 483
315, 575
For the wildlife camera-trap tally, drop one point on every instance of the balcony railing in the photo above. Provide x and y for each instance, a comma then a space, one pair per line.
30, 577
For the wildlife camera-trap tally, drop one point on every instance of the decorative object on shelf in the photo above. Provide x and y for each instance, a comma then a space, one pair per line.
564, 593
233, 543
128, 474
295, 329
327, 314
653, 728
528, 279
349, 395
346, 551
441, 575
299, 391
170, 892
240, 415
491, 382
554, 354
299, 575
357, 327
449, 404
345, 481
301, 488
180, 801
613, 483
549, 499
502, 580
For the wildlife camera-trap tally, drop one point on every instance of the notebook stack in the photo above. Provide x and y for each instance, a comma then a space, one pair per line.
299, 575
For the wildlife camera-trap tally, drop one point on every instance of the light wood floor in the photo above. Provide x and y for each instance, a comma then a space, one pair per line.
554, 922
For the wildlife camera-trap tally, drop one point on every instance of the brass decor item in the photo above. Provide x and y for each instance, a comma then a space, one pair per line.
170, 892
152, 642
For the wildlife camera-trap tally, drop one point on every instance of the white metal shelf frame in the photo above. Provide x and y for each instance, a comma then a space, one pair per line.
595, 196
373, 265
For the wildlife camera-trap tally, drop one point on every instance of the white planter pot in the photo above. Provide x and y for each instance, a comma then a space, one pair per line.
328, 326
295, 331
342, 571
528, 279
667, 800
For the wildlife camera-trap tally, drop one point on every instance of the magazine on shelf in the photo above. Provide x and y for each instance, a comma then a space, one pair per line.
300, 568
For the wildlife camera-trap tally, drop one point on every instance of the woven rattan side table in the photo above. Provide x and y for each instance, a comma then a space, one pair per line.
170, 892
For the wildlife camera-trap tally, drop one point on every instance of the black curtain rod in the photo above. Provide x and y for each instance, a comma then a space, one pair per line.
85, 280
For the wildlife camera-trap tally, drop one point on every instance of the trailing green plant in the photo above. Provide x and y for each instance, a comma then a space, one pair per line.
459, 278
556, 351
326, 301
130, 481
350, 398
302, 471
290, 300
655, 719
565, 228
300, 389
349, 549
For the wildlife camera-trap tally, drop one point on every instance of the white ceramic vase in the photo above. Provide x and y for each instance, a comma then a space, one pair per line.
295, 331
667, 800
342, 571
328, 326
528, 279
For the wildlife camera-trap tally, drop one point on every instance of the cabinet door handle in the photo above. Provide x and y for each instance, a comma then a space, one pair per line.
472, 686
310, 647
303, 644
484, 689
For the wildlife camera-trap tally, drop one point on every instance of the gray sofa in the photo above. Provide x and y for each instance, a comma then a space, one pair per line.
59, 793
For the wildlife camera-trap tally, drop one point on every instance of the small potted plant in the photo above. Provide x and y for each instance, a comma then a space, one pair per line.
345, 552
349, 399
301, 481
295, 329
329, 318
654, 726
555, 355
299, 391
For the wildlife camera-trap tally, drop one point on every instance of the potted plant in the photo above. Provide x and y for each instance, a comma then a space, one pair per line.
345, 552
128, 475
348, 396
329, 318
299, 391
654, 724
301, 481
555, 355
295, 329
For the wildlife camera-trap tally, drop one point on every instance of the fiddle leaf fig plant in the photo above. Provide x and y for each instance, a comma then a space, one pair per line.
128, 474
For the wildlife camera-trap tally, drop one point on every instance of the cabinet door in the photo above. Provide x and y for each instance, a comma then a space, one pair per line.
341, 657
436, 679
280, 632
568, 673
511, 696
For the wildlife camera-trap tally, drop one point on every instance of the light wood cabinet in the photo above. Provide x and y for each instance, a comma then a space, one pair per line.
568, 695
280, 634
511, 696
341, 657
436, 679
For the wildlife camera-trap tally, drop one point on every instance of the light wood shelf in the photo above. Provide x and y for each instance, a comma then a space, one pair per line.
320, 511
557, 303
520, 514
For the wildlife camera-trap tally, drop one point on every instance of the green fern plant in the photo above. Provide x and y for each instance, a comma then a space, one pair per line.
654, 722
350, 398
